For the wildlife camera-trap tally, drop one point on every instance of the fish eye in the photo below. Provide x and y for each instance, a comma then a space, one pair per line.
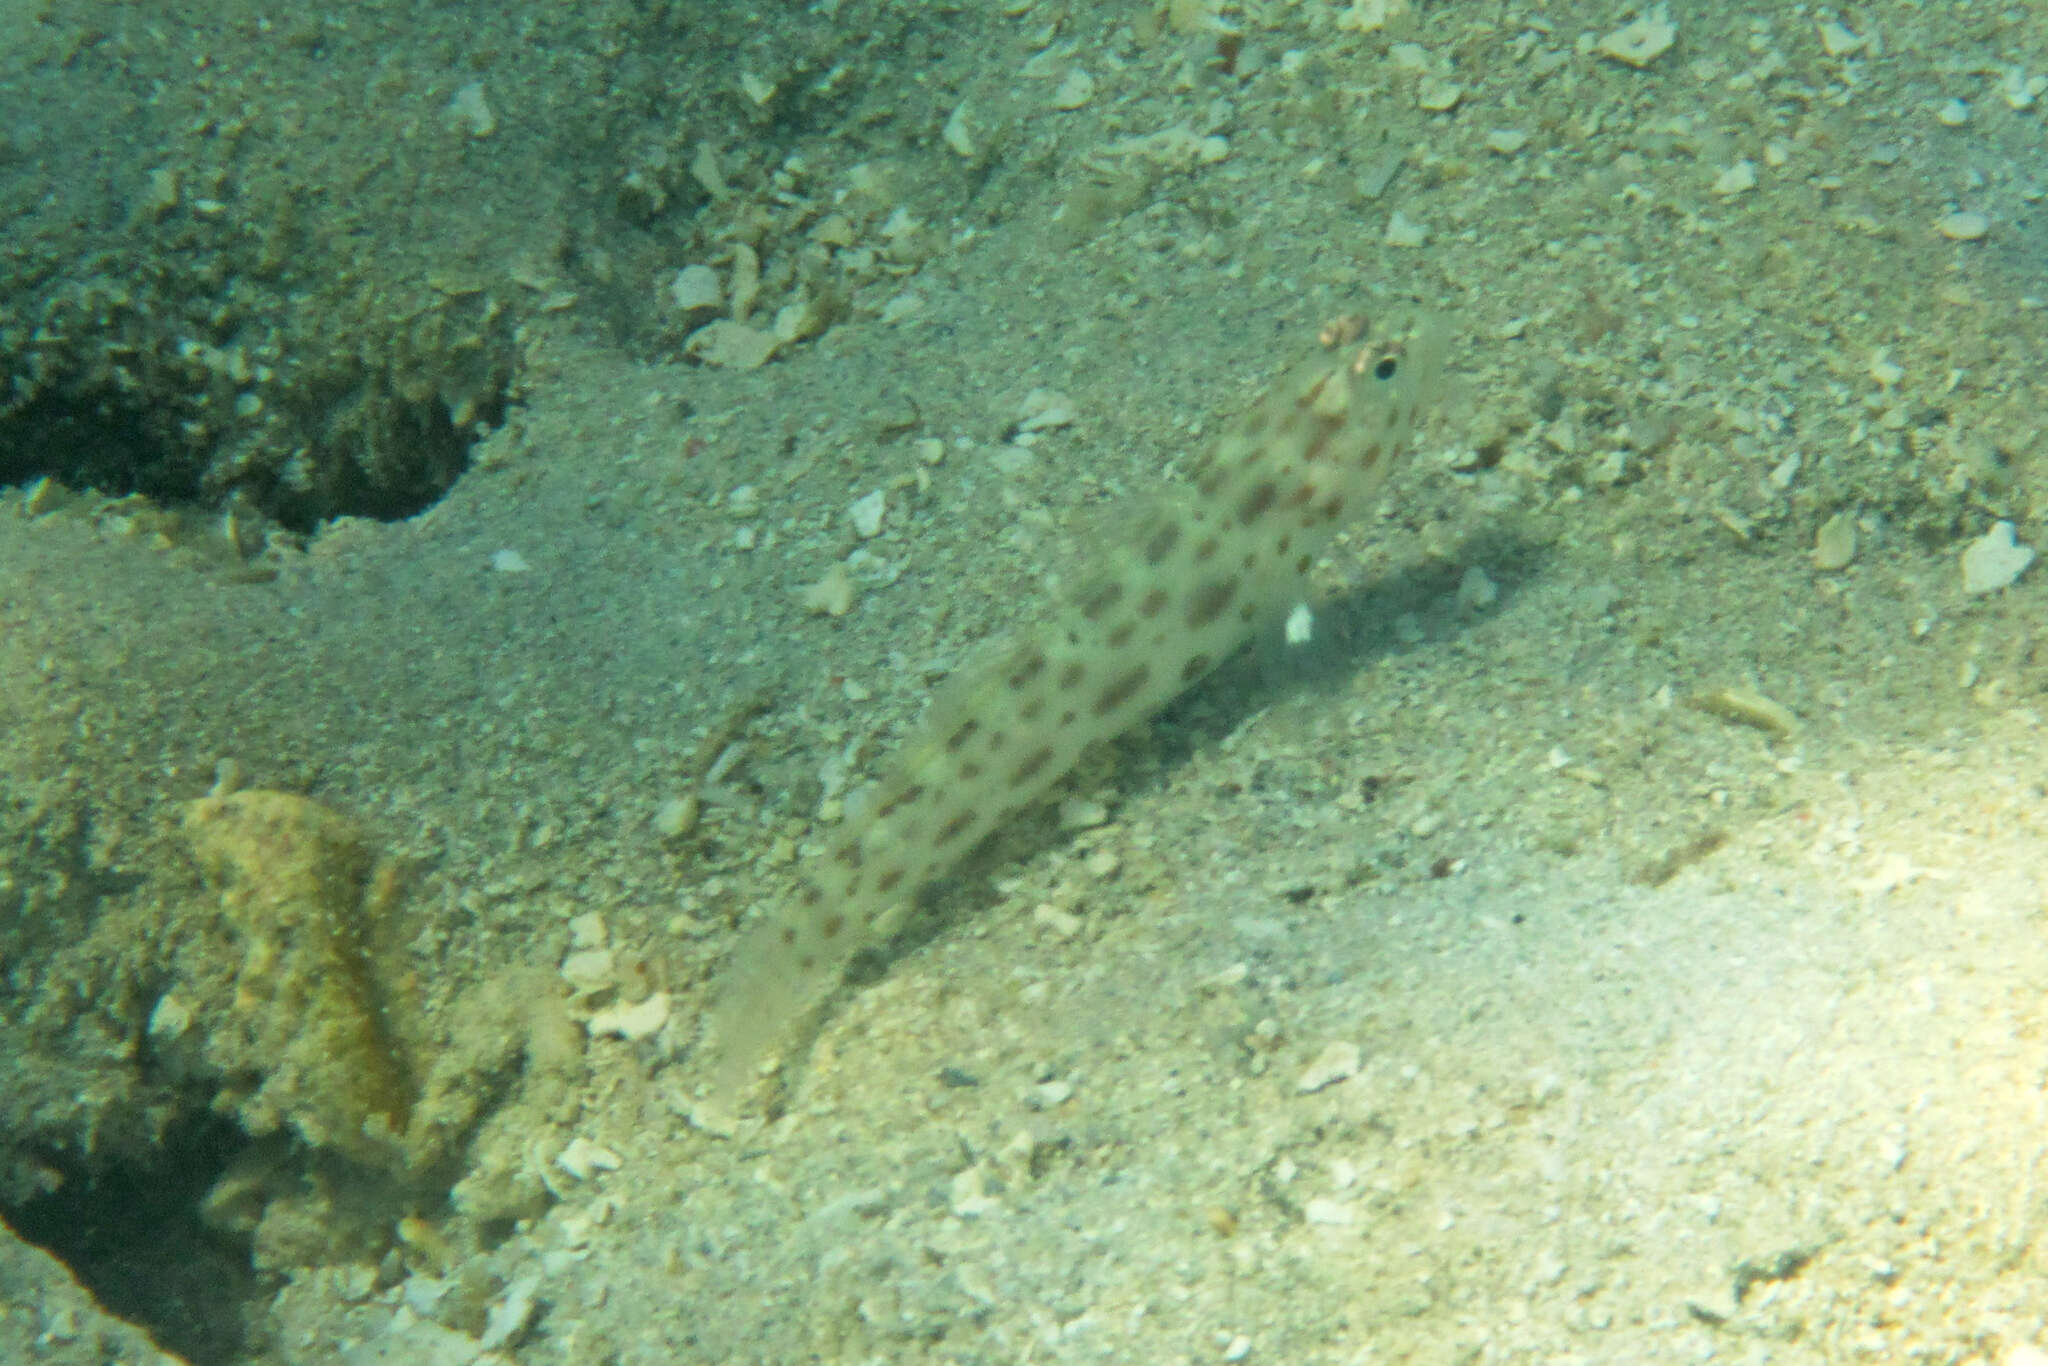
1386, 368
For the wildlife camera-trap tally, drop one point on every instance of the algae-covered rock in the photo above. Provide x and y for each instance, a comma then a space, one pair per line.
299, 1004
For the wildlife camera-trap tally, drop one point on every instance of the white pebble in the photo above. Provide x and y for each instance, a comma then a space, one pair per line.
632, 1023
171, 1018
1327, 1212
1963, 227
831, 596
1438, 95
583, 1159
1043, 409
509, 562
1994, 560
1838, 41
1952, 113
866, 514
695, 287
1737, 179
1076, 90
1642, 42
1301, 625
506, 1321
958, 135
676, 817
590, 970
1403, 231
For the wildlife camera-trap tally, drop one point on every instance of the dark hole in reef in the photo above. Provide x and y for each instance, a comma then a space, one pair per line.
99, 442
133, 1237
112, 444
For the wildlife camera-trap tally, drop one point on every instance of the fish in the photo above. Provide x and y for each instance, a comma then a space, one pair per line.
1187, 577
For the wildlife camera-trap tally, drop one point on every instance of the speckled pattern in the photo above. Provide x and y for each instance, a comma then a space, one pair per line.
1199, 567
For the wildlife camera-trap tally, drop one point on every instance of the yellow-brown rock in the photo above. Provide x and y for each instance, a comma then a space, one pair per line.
301, 1005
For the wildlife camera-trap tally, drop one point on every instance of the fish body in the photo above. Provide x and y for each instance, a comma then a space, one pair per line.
1183, 582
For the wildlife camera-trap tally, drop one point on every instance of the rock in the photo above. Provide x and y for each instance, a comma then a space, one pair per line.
730, 345
1642, 42
1337, 1061
308, 1006
1994, 560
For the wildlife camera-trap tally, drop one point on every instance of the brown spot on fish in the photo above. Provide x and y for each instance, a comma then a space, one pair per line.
1122, 690
1209, 601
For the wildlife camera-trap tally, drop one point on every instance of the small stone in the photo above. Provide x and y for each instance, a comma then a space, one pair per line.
583, 1159
1952, 113
1838, 41
1438, 95
1049, 1095
41, 496
1337, 1061
1834, 546
1963, 227
1102, 864
1080, 813
171, 1017
470, 112
1044, 409
798, 321
967, 1194
1476, 591
1403, 231
161, 194
1640, 43
1061, 924
695, 287
1994, 560
958, 135
831, 596
508, 1320
1329, 1213
1300, 628
1737, 179
746, 281
728, 345
2019, 90
676, 817
1409, 57
509, 562
1506, 141
866, 514
1076, 90
590, 970
642, 1020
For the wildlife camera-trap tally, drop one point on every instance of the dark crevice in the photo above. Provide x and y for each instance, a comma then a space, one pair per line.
133, 1237
113, 445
